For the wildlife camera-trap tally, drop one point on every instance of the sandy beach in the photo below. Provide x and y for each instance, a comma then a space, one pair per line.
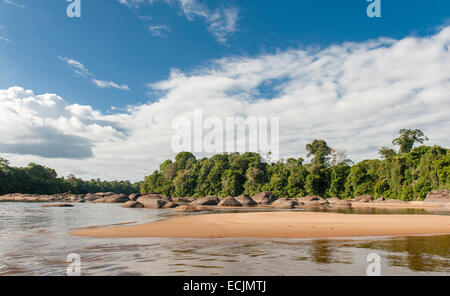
279, 225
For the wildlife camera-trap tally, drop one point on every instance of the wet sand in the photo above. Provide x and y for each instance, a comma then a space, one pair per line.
279, 225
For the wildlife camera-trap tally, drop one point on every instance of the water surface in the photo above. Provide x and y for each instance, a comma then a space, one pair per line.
34, 241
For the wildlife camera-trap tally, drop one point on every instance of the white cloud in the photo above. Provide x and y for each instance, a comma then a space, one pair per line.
159, 30
109, 84
10, 2
81, 70
354, 95
221, 22
78, 67
5, 39
131, 3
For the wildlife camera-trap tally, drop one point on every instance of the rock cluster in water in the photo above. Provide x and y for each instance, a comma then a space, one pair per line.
207, 203
440, 196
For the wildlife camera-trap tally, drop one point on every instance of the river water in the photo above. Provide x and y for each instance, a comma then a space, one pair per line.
34, 241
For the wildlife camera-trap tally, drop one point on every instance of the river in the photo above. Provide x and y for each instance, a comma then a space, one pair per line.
34, 241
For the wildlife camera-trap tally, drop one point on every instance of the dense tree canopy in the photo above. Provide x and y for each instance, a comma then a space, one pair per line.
386, 152
408, 175
38, 179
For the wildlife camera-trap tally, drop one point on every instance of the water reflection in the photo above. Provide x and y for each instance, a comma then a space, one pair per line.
321, 251
34, 242
430, 253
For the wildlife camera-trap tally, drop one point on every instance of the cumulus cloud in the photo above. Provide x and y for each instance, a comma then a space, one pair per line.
354, 95
47, 126
221, 22
49, 143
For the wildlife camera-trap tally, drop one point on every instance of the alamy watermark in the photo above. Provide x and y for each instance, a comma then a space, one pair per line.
374, 8
214, 135
74, 8
374, 268
74, 267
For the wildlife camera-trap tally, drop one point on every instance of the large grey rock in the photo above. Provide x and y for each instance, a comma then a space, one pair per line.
104, 194
132, 204
245, 200
170, 205
134, 196
152, 201
309, 198
229, 201
316, 203
77, 197
284, 203
116, 198
191, 209
206, 201
343, 204
18, 197
333, 200
439, 196
182, 200
264, 198
90, 197
364, 198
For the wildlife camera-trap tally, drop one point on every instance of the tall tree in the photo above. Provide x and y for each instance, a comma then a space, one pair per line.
408, 138
386, 152
339, 156
320, 151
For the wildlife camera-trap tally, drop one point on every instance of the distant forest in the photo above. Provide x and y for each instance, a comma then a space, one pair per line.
407, 174
38, 179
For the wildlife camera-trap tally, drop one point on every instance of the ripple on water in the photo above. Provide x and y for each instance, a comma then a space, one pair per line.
34, 242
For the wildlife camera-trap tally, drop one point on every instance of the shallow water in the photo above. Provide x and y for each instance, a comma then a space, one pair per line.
34, 241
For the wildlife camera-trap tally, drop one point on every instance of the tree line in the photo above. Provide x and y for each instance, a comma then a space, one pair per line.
38, 179
408, 174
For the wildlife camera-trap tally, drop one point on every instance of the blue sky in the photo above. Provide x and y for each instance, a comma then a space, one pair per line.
115, 44
97, 96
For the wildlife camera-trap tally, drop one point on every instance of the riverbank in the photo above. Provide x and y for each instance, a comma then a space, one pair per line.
279, 225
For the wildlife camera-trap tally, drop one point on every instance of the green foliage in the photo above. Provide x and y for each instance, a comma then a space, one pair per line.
232, 182
37, 179
406, 176
362, 178
338, 174
321, 152
408, 138
386, 152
